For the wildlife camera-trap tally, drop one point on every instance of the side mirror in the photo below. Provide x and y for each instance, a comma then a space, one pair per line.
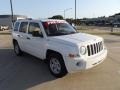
36, 34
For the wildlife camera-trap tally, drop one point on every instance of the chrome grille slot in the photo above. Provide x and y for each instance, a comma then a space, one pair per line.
94, 48
88, 47
91, 49
99, 47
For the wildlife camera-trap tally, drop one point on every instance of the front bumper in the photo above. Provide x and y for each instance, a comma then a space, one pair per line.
77, 64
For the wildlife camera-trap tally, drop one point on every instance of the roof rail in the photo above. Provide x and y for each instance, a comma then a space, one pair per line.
29, 18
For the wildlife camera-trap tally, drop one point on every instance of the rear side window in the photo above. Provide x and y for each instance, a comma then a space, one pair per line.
16, 26
23, 27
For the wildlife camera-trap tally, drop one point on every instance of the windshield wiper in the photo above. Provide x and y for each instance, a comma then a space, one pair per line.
57, 34
61, 33
72, 32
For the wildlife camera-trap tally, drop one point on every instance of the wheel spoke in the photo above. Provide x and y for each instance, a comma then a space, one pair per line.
55, 65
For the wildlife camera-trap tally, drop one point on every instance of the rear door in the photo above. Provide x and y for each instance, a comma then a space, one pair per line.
22, 35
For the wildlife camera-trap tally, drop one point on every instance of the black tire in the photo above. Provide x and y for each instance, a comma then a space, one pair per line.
62, 71
17, 49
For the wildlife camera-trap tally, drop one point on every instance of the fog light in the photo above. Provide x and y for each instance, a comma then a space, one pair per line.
79, 64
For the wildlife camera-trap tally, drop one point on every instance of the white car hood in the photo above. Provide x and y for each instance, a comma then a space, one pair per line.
75, 38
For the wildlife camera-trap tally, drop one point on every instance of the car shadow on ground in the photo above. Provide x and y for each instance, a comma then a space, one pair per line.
20, 73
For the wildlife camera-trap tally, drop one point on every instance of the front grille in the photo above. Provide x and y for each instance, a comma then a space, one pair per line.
94, 48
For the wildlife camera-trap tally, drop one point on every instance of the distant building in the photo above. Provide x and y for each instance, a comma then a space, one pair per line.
5, 20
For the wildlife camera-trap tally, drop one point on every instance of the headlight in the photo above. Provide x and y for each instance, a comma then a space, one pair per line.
83, 50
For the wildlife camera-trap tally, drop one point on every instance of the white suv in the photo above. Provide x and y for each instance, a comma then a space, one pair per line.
59, 44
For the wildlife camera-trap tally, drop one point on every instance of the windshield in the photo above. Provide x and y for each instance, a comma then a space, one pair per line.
57, 29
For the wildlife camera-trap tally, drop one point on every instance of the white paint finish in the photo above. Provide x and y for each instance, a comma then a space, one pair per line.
77, 38
64, 44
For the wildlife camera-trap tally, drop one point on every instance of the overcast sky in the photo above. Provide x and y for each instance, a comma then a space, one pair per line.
48, 8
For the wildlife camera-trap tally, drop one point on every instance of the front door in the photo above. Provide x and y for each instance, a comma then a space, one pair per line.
35, 44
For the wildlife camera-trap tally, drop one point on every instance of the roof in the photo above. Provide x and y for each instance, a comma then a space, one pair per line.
42, 20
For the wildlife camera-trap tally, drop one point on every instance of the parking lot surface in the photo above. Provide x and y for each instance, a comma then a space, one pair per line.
30, 73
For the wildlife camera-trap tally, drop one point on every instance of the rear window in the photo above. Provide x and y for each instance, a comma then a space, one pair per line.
16, 26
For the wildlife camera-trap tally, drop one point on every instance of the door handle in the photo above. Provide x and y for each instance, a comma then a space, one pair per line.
28, 38
18, 35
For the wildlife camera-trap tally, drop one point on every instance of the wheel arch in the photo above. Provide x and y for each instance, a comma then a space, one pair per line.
14, 40
61, 56
49, 51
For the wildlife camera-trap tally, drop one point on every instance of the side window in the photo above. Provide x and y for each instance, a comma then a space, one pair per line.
16, 26
23, 27
34, 27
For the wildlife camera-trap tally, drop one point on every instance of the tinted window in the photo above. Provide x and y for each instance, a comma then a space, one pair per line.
23, 27
56, 29
34, 27
16, 26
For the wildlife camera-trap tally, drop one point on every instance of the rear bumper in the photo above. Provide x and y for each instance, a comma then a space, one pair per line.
77, 64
